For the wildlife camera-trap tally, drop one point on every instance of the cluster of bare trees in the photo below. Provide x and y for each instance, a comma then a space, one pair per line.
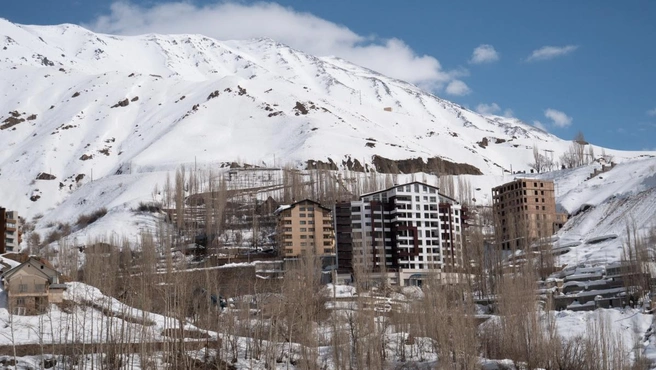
579, 153
576, 155
525, 332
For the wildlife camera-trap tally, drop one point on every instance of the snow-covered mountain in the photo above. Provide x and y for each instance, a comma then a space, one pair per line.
79, 106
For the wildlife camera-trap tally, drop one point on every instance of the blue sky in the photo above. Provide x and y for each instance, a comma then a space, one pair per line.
565, 65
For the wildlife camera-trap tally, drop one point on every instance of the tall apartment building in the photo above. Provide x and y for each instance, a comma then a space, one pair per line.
10, 236
525, 211
305, 226
400, 234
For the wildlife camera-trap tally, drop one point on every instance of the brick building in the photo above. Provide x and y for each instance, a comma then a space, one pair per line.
525, 211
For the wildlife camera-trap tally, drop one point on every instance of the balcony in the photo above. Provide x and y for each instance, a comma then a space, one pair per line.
29, 291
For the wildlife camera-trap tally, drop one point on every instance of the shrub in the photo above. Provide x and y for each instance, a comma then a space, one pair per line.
152, 207
87, 219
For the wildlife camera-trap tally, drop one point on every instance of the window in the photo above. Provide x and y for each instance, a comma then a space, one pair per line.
302, 222
302, 209
301, 215
22, 288
310, 208
303, 236
327, 250
303, 229
303, 244
20, 301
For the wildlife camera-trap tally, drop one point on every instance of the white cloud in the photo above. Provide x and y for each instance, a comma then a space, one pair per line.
484, 54
508, 113
550, 52
494, 109
558, 118
487, 109
304, 31
540, 125
457, 88
651, 112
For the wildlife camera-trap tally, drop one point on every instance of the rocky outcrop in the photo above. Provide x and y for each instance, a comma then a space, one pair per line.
45, 176
320, 165
122, 103
353, 165
432, 165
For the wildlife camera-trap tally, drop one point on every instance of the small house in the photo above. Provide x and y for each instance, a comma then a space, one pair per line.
32, 286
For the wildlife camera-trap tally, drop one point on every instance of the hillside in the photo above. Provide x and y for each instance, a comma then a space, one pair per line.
90, 120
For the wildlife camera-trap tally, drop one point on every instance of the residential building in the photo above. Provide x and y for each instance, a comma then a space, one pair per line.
401, 234
32, 286
10, 234
305, 227
525, 211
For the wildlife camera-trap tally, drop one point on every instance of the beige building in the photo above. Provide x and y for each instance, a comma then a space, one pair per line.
525, 211
305, 227
32, 286
10, 234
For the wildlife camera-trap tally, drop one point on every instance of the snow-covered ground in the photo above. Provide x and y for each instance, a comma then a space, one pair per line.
603, 207
81, 323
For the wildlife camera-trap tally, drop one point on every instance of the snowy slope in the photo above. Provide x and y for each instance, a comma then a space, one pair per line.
196, 100
80, 323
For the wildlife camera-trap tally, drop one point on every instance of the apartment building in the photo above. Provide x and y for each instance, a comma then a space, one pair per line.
303, 227
10, 235
400, 234
525, 211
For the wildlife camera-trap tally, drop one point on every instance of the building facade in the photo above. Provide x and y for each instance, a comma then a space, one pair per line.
32, 286
524, 212
401, 234
305, 227
9, 231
